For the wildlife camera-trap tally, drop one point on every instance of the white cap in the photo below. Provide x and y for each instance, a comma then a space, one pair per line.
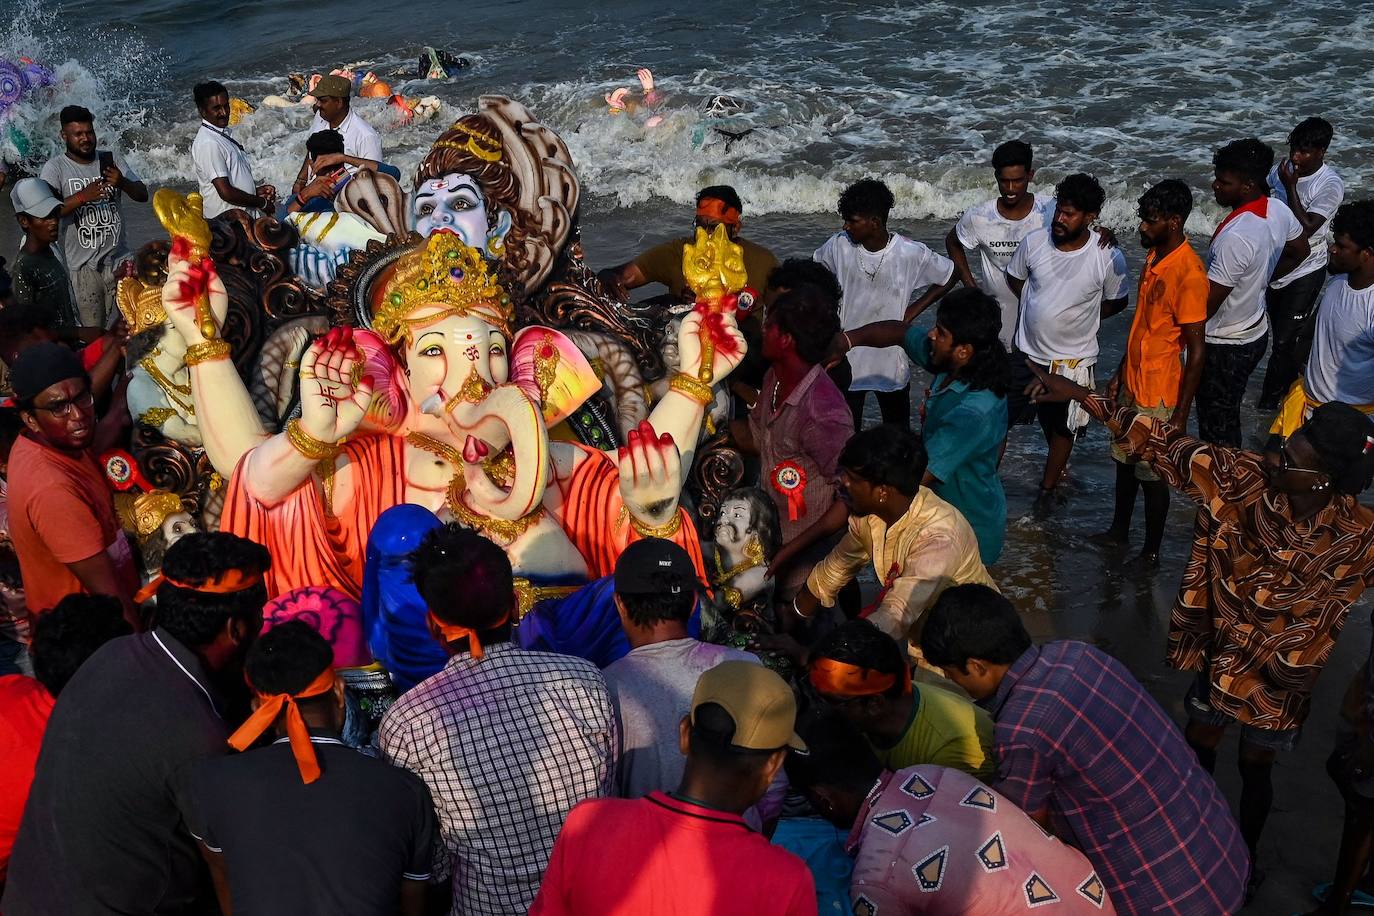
35, 197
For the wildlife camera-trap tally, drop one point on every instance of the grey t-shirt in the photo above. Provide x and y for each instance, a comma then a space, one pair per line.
652, 688
92, 236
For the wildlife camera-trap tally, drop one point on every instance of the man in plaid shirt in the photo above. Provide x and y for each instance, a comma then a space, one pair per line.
507, 740
1083, 749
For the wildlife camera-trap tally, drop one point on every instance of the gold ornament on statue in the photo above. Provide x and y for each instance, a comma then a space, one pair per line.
443, 278
480, 143
713, 266
151, 509
184, 218
140, 305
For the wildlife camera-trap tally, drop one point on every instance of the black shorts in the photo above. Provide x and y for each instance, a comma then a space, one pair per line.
1053, 416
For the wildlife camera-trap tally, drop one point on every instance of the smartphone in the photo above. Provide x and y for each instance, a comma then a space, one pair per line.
106, 160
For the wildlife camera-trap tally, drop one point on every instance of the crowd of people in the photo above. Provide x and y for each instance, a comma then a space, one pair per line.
197, 744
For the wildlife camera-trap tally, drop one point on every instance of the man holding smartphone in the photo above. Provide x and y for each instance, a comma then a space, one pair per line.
91, 183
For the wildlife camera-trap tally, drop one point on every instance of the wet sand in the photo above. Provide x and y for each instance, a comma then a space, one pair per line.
1068, 587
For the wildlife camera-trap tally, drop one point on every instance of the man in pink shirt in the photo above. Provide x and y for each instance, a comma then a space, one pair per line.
690, 852
931, 840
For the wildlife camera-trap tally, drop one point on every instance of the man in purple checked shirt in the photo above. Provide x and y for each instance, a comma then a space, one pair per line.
1084, 750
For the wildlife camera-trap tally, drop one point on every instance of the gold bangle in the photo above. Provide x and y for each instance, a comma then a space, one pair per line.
206, 351
666, 530
308, 445
693, 388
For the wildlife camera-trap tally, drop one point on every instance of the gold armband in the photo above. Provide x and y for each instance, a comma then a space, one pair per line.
206, 351
665, 531
693, 388
308, 445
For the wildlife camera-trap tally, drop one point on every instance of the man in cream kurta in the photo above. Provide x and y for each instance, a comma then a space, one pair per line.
927, 550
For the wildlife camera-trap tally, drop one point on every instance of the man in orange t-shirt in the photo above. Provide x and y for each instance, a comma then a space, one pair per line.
1170, 314
62, 517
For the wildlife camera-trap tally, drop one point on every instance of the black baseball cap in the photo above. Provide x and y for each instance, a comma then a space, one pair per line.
42, 365
654, 566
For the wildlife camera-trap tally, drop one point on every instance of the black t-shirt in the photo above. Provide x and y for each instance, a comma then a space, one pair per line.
103, 831
341, 844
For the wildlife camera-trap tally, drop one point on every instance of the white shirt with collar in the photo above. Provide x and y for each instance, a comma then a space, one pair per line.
360, 138
218, 155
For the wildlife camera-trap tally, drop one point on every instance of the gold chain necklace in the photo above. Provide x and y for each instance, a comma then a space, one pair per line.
753, 557
170, 388
507, 530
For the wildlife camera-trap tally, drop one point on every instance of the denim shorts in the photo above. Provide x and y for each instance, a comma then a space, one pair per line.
1201, 711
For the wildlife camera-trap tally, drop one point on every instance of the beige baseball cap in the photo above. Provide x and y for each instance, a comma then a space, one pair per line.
762, 705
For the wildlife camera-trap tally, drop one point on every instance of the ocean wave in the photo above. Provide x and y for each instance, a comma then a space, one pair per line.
915, 95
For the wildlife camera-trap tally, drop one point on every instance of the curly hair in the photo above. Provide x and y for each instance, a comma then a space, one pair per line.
974, 318
809, 318
1249, 158
867, 197
973, 621
1356, 221
1171, 197
195, 618
67, 635
886, 455
1013, 152
1081, 191
795, 272
1311, 133
287, 658
465, 579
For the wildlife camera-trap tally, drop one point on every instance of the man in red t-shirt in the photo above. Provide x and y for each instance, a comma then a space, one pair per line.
62, 517
63, 638
690, 851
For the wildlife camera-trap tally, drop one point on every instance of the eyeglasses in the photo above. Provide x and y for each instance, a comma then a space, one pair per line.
66, 408
1285, 467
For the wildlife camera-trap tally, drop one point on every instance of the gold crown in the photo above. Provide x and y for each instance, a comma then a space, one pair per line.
146, 513
444, 273
140, 305
482, 144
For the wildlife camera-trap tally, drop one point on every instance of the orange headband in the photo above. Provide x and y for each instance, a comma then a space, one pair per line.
717, 211
226, 583
841, 679
272, 707
453, 632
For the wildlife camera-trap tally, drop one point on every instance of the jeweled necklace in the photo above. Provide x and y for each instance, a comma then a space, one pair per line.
169, 387
506, 529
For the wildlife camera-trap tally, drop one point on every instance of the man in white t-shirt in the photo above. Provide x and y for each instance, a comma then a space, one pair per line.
995, 227
333, 111
222, 168
92, 184
1341, 367
1066, 283
879, 272
1258, 242
1313, 191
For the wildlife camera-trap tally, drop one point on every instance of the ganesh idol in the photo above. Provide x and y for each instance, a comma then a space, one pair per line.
431, 397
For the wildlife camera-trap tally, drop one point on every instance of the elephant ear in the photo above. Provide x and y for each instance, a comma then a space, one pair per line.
550, 369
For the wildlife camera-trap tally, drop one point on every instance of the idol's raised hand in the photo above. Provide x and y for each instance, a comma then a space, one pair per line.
187, 281
715, 331
334, 392
650, 475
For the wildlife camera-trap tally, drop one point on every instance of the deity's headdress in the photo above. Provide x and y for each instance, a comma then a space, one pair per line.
438, 278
